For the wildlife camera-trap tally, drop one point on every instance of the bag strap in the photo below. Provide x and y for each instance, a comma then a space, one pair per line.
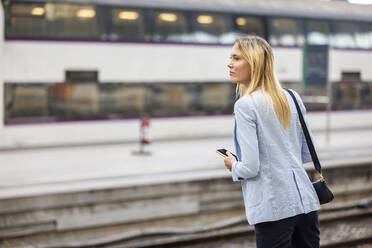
309, 142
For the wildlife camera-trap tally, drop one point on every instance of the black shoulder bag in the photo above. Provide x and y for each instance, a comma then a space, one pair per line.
324, 193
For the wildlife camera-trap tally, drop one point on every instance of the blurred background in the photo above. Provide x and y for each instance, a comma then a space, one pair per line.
111, 112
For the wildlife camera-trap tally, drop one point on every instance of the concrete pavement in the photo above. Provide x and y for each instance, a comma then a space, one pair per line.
41, 171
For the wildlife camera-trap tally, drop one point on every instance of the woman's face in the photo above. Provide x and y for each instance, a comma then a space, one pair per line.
239, 69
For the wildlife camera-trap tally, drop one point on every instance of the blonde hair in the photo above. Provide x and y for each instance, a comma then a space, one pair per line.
259, 55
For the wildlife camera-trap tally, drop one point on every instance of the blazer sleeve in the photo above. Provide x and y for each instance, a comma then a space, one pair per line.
305, 153
246, 134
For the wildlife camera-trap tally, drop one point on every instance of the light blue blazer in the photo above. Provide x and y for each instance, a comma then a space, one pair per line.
270, 161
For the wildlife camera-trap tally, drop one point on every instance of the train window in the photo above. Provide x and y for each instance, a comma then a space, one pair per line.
216, 98
74, 101
364, 38
26, 102
247, 25
210, 28
369, 34
122, 100
26, 21
127, 24
72, 21
170, 26
168, 100
317, 32
285, 32
349, 35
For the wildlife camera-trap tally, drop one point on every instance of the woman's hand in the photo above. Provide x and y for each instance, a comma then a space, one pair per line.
229, 160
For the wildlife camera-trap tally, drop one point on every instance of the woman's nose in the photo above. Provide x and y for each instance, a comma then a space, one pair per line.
229, 65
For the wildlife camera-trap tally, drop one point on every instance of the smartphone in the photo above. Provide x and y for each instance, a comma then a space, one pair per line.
223, 153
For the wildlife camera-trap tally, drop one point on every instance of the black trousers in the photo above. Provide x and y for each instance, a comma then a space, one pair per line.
300, 231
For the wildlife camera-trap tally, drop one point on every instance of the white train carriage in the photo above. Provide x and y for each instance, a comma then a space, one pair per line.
79, 71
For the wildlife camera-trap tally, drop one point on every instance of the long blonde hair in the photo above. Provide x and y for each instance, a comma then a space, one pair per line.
259, 55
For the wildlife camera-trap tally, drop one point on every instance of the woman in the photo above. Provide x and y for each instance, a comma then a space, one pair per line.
279, 198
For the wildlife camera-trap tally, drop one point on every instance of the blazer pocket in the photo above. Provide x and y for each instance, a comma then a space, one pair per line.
253, 192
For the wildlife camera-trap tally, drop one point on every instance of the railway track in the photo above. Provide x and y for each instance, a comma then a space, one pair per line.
350, 226
199, 213
342, 226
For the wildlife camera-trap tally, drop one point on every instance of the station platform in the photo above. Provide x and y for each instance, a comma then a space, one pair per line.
62, 169
85, 196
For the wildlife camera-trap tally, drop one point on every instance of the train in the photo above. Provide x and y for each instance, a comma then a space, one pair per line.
80, 72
